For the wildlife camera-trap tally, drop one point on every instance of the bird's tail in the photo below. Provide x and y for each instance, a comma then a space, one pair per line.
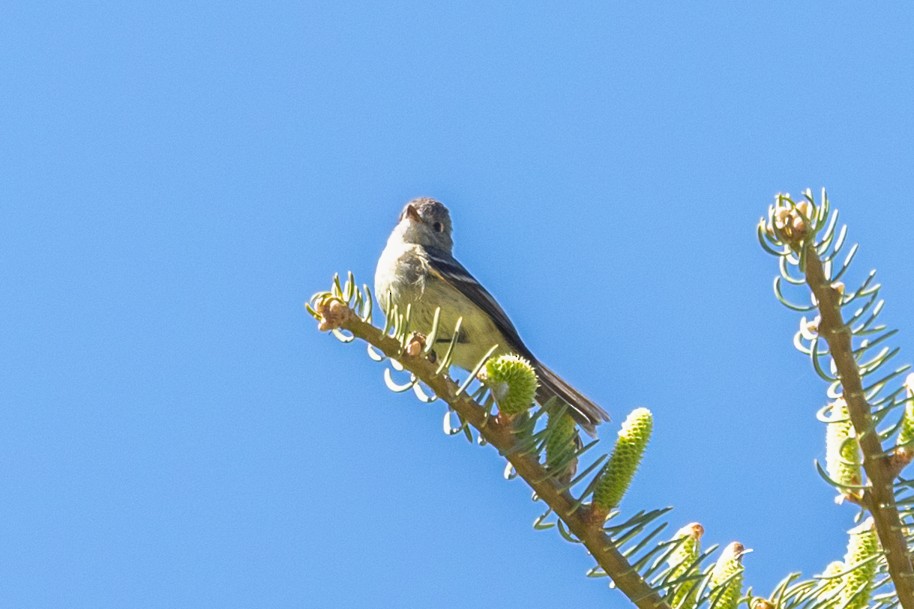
585, 412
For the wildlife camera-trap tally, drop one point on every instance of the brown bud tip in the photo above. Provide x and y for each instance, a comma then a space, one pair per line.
902, 456
809, 328
735, 550
415, 344
334, 313
695, 530
597, 515
761, 603
414, 348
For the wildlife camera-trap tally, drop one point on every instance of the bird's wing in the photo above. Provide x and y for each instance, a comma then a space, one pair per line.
449, 270
587, 413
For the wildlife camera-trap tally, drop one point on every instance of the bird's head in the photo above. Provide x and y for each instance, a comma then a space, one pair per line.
426, 222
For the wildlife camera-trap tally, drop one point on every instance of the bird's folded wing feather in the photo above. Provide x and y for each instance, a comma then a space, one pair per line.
455, 274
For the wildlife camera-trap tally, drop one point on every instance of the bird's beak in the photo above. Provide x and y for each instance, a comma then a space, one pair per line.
412, 213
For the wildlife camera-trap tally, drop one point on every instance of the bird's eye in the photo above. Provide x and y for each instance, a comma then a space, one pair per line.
438, 227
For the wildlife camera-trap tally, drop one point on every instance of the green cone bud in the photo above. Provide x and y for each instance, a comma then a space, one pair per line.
682, 564
618, 473
858, 583
842, 452
906, 435
561, 442
727, 577
831, 587
512, 381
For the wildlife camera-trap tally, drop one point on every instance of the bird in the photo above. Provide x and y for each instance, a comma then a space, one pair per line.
417, 268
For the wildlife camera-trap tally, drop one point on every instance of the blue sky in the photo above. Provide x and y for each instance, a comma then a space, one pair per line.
179, 178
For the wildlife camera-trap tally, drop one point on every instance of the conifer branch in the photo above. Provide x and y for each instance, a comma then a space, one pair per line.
879, 497
502, 436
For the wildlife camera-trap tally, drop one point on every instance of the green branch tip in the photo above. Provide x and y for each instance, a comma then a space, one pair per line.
332, 312
562, 442
512, 381
726, 580
832, 584
904, 451
626, 456
842, 451
862, 551
684, 565
790, 223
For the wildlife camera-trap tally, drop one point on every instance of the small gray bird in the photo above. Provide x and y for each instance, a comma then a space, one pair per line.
418, 268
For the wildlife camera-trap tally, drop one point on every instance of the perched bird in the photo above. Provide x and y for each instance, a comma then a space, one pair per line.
417, 268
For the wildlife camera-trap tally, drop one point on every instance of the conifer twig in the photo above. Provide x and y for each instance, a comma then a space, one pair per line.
879, 497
